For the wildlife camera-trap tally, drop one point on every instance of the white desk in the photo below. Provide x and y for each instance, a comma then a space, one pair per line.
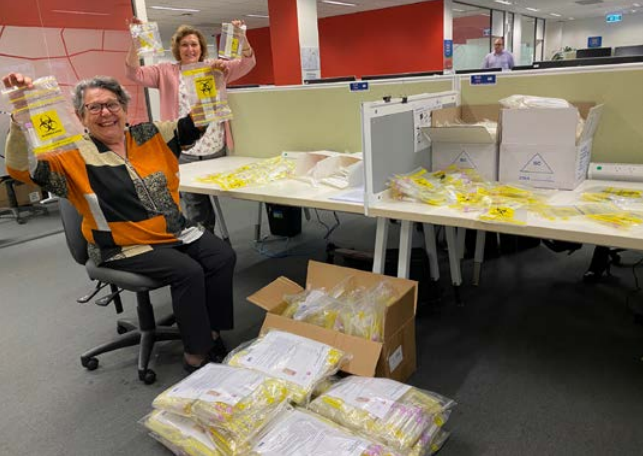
289, 192
576, 229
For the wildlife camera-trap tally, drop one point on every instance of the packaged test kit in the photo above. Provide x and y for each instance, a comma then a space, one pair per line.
180, 435
231, 41
147, 39
207, 94
45, 116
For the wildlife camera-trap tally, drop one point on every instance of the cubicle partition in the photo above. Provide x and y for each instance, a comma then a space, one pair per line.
270, 120
619, 138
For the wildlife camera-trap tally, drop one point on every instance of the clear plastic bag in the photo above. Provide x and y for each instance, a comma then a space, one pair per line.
231, 41
555, 212
504, 214
388, 411
45, 116
421, 186
622, 196
312, 306
364, 317
207, 93
180, 435
258, 173
297, 433
528, 101
300, 362
147, 39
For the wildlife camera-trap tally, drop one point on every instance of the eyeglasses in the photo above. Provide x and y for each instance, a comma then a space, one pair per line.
97, 108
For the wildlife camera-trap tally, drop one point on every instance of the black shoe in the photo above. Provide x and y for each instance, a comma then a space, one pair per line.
562, 246
190, 369
218, 352
600, 265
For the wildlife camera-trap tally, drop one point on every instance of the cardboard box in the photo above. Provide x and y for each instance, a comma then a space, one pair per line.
465, 146
26, 194
394, 358
330, 168
539, 147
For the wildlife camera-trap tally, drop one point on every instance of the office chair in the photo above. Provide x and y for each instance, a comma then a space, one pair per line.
146, 332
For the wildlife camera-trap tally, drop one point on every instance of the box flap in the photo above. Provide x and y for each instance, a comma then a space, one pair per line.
459, 135
271, 297
444, 115
591, 123
365, 353
479, 113
539, 126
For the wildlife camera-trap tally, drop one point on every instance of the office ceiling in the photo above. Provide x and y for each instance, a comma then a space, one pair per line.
555, 10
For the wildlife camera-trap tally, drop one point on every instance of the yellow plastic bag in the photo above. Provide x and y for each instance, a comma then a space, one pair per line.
180, 435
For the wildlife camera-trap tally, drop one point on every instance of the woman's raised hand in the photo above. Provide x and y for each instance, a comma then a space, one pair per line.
17, 80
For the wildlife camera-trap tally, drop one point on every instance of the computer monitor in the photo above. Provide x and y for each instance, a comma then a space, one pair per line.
593, 52
625, 51
329, 80
375, 77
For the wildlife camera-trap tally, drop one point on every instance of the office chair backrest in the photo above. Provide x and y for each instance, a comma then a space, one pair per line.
71, 223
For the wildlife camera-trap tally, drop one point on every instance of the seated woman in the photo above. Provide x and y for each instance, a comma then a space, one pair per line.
124, 182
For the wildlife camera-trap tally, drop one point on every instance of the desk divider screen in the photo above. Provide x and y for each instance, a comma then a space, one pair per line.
390, 138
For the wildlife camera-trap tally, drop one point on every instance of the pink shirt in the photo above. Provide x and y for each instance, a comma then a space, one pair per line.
165, 77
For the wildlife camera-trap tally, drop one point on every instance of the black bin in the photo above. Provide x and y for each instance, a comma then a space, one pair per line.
284, 220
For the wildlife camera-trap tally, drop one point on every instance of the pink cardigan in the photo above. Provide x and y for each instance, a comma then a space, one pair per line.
165, 77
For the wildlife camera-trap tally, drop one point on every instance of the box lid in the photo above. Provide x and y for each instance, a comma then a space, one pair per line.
459, 135
592, 118
539, 126
271, 297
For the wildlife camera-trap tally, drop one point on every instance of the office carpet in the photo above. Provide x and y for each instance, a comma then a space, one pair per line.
538, 362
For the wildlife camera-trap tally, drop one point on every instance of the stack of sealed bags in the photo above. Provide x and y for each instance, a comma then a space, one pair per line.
220, 408
401, 417
347, 308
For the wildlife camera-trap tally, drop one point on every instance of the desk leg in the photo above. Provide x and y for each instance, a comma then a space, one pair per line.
406, 240
381, 239
461, 233
258, 224
454, 261
222, 226
431, 251
478, 257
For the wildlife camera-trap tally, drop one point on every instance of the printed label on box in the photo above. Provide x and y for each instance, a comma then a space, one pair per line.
34, 197
395, 359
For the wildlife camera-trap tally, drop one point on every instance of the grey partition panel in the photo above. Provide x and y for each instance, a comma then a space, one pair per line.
392, 148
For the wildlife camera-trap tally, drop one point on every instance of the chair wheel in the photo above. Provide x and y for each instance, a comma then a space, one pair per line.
89, 363
147, 376
21, 221
120, 329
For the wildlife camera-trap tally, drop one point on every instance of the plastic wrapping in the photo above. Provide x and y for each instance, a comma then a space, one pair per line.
420, 185
504, 214
147, 39
391, 412
258, 173
180, 435
299, 433
555, 212
300, 362
313, 306
207, 93
231, 41
618, 195
45, 116
527, 102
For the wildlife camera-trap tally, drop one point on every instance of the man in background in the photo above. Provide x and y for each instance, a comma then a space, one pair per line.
499, 58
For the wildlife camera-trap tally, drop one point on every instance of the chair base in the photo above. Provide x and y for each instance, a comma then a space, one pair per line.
131, 335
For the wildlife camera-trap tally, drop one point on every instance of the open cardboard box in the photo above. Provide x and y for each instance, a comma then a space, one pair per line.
394, 358
26, 194
465, 146
540, 147
324, 166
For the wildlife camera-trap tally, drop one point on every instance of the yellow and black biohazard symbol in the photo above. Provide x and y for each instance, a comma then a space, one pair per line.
47, 125
205, 87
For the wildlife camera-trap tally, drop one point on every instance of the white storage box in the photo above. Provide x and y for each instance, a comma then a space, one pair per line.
539, 147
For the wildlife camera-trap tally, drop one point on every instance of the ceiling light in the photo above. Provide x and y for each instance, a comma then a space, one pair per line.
168, 8
554, 14
333, 2
638, 5
458, 10
88, 13
504, 2
532, 9
256, 15
571, 18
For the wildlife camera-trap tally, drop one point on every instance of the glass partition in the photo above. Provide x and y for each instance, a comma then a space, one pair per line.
527, 40
471, 36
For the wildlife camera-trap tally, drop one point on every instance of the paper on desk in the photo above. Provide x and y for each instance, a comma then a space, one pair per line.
354, 195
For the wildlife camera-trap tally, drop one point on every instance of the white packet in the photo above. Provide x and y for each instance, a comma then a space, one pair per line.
147, 39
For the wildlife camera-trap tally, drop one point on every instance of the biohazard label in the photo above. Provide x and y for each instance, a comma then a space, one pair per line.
47, 125
235, 46
537, 165
205, 87
464, 161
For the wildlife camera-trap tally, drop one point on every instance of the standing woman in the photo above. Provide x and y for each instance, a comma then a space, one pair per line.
190, 46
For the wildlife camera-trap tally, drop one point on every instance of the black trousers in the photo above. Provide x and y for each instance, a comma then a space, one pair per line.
200, 278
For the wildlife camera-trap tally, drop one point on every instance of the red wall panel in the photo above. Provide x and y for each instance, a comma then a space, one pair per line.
392, 40
262, 73
470, 27
284, 37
